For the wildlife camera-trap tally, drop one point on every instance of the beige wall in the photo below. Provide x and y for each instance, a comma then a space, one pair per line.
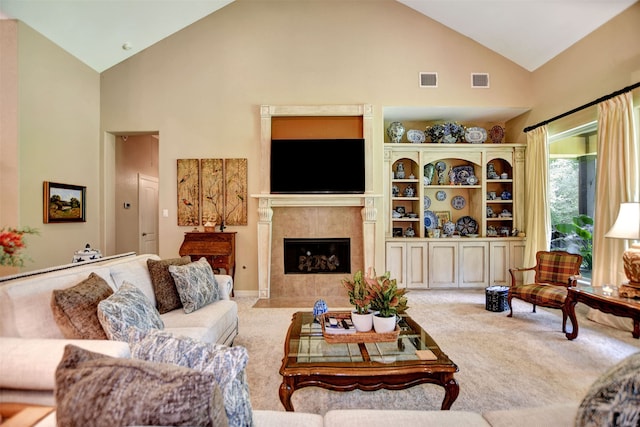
57, 132
603, 62
202, 87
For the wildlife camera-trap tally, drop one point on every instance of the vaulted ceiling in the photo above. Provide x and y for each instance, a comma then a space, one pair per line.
102, 33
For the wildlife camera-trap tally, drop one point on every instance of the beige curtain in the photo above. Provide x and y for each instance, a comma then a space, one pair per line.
537, 217
617, 177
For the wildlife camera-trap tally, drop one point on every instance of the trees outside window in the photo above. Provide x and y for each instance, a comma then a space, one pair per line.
572, 166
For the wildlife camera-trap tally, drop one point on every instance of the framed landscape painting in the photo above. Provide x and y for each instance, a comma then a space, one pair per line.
63, 203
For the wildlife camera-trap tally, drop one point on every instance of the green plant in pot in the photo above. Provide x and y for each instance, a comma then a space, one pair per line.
387, 300
360, 297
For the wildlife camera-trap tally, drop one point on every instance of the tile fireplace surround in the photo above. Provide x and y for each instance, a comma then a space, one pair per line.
280, 216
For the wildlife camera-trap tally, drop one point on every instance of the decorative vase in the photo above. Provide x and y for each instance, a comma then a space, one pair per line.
395, 131
384, 324
362, 322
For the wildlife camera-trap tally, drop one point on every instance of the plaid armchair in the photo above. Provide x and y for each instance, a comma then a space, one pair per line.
554, 272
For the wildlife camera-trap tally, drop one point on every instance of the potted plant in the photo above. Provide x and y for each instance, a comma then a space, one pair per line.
360, 297
387, 300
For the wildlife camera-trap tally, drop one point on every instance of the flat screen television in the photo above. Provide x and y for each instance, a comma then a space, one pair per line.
317, 166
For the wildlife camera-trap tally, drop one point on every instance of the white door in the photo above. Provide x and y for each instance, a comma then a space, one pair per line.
148, 214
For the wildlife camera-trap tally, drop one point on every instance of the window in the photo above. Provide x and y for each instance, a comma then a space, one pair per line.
572, 187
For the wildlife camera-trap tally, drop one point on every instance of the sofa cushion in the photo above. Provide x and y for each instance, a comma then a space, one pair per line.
127, 308
164, 287
75, 309
25, 303
135, 272
547, 415
227, 364
98, 390
212, 323
286, 419
23, 366
390, 417
196, 284
614, 398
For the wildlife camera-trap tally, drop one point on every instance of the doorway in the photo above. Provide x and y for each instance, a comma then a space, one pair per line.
136, 193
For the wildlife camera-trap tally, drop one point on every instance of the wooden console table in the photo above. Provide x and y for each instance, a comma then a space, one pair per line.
611, 303
219, 248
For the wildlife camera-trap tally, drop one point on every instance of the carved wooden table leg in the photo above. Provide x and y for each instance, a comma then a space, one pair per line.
570, 307
451, 390
286, 390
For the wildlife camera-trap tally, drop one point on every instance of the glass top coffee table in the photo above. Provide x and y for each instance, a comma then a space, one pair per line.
606, 300
309, 360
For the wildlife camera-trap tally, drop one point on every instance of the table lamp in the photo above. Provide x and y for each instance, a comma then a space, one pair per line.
627, 226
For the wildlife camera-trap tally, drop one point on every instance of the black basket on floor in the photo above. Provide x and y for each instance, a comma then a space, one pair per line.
497, 298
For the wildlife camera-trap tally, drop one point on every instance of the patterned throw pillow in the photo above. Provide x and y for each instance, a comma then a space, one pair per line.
614, 399
227, 364
164, 287
196, 284
96, 390
75, 309
126, 309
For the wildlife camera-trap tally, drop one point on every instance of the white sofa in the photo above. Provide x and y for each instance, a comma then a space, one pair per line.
32, 344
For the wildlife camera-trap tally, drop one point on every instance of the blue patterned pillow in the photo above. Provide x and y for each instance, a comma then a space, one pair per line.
196, 284
227, 364
126, 309
614, 399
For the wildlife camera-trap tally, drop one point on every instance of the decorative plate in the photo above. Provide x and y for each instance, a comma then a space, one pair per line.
448, 228
466, 225
416, 136
458, 202
430, 220
472, 180
441, 195
440, 166
427, 202
496, 134
475, 135
462, 173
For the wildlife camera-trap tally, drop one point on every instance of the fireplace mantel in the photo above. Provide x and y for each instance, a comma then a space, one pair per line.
268, 201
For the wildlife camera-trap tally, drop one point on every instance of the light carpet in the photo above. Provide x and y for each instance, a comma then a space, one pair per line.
504, 362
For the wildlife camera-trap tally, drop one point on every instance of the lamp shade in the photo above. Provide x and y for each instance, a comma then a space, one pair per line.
627, 225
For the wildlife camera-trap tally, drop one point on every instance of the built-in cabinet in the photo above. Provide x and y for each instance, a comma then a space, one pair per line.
472, 194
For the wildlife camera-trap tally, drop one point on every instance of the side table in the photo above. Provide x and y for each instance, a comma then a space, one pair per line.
607, 302
219, 248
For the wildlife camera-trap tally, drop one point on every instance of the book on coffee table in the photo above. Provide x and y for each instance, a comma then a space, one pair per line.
333, 325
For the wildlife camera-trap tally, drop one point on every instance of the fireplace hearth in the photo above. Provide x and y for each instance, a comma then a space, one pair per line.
317, 256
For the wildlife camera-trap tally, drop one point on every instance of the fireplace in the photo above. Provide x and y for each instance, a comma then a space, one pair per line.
317, 216
317, 256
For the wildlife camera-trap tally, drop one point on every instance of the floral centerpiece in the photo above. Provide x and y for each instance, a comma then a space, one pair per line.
11, 245
448, 132
359, 292
378, 293
387, 299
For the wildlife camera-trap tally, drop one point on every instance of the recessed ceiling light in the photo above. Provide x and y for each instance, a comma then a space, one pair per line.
126, 46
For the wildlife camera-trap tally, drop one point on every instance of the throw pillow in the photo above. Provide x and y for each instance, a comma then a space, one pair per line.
196, 284
164, 287
614, 399
75, 309
126, 309
227, 364
93, 389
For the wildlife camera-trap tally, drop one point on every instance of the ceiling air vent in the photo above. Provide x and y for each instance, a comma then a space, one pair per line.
428, 79
480, 80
